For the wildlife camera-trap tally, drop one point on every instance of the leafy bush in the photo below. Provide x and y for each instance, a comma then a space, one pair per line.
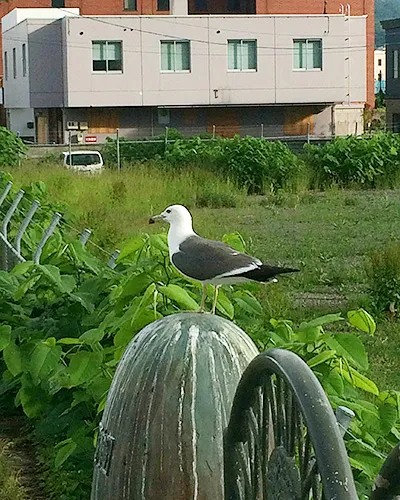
383, 270
12, 149
252, 163
363, 161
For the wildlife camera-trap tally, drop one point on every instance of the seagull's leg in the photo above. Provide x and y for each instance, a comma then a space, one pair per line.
215, 299
203, 298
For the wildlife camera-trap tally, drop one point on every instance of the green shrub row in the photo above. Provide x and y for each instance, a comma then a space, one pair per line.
252, 163
261, 166
368, 162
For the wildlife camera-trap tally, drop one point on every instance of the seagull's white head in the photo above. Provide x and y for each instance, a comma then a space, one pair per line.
175, 215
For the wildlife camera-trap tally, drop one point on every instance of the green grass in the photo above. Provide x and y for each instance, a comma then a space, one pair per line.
115, 204
328, 235
10, 487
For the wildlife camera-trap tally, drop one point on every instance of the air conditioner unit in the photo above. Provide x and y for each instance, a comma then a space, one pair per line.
83, 125
72, 125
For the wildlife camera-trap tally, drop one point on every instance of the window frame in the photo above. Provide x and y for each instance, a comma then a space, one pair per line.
163, 10
108, 71
128, 8
241, 70
24, 60
307, 40
395, 64
14, 62
5, 65
174, 43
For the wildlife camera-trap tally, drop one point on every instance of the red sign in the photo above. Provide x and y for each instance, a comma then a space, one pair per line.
90, 138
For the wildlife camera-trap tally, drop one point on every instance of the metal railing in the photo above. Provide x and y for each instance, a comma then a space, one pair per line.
12, 253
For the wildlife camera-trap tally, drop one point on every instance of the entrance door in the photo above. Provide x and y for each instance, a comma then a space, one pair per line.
41, 129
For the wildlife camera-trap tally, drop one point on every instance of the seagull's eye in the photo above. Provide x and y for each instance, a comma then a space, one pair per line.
168, 211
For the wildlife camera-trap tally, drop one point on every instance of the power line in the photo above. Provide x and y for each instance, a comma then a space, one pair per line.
273, 49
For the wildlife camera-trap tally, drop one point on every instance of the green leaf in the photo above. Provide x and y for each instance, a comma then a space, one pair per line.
132, 286
85, 299
25, 286
321, 358
159, 242
308, 334
5, 336
283, 329
362, 320
52, 273
235, 240
65, 450
180, 296
33, 400
84, 366
246, 301
131, 247
323, 320
349, 347
357, 380
82, 255
13, 359
68, 283
44, 360
22, 268
333, 384
92, 336
224, 305
69, 341
365, 462
388, 417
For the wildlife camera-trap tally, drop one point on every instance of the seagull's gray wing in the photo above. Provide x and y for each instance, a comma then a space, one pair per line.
203, 259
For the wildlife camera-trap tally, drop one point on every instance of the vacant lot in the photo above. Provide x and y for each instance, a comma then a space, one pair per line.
329, 235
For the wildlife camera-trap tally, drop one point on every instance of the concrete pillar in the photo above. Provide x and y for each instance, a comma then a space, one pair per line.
179, 8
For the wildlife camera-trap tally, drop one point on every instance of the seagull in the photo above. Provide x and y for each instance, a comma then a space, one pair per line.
208, 261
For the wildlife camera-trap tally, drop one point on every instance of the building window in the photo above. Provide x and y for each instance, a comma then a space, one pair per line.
130, 5
163, 5
307, 54
233, 5
175, 55
379, 62
242, 55
395, 64
6, 65
107, 56
201, 5
58, 4
14, 63
24, 59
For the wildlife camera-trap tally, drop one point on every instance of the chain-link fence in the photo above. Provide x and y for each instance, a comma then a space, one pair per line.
12, 253
9, 257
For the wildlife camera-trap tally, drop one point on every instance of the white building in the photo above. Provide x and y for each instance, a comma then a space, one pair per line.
291, 73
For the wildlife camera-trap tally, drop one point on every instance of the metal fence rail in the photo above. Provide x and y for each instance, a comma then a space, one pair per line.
12, 253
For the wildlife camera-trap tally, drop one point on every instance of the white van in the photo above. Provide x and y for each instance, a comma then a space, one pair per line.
84, 161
